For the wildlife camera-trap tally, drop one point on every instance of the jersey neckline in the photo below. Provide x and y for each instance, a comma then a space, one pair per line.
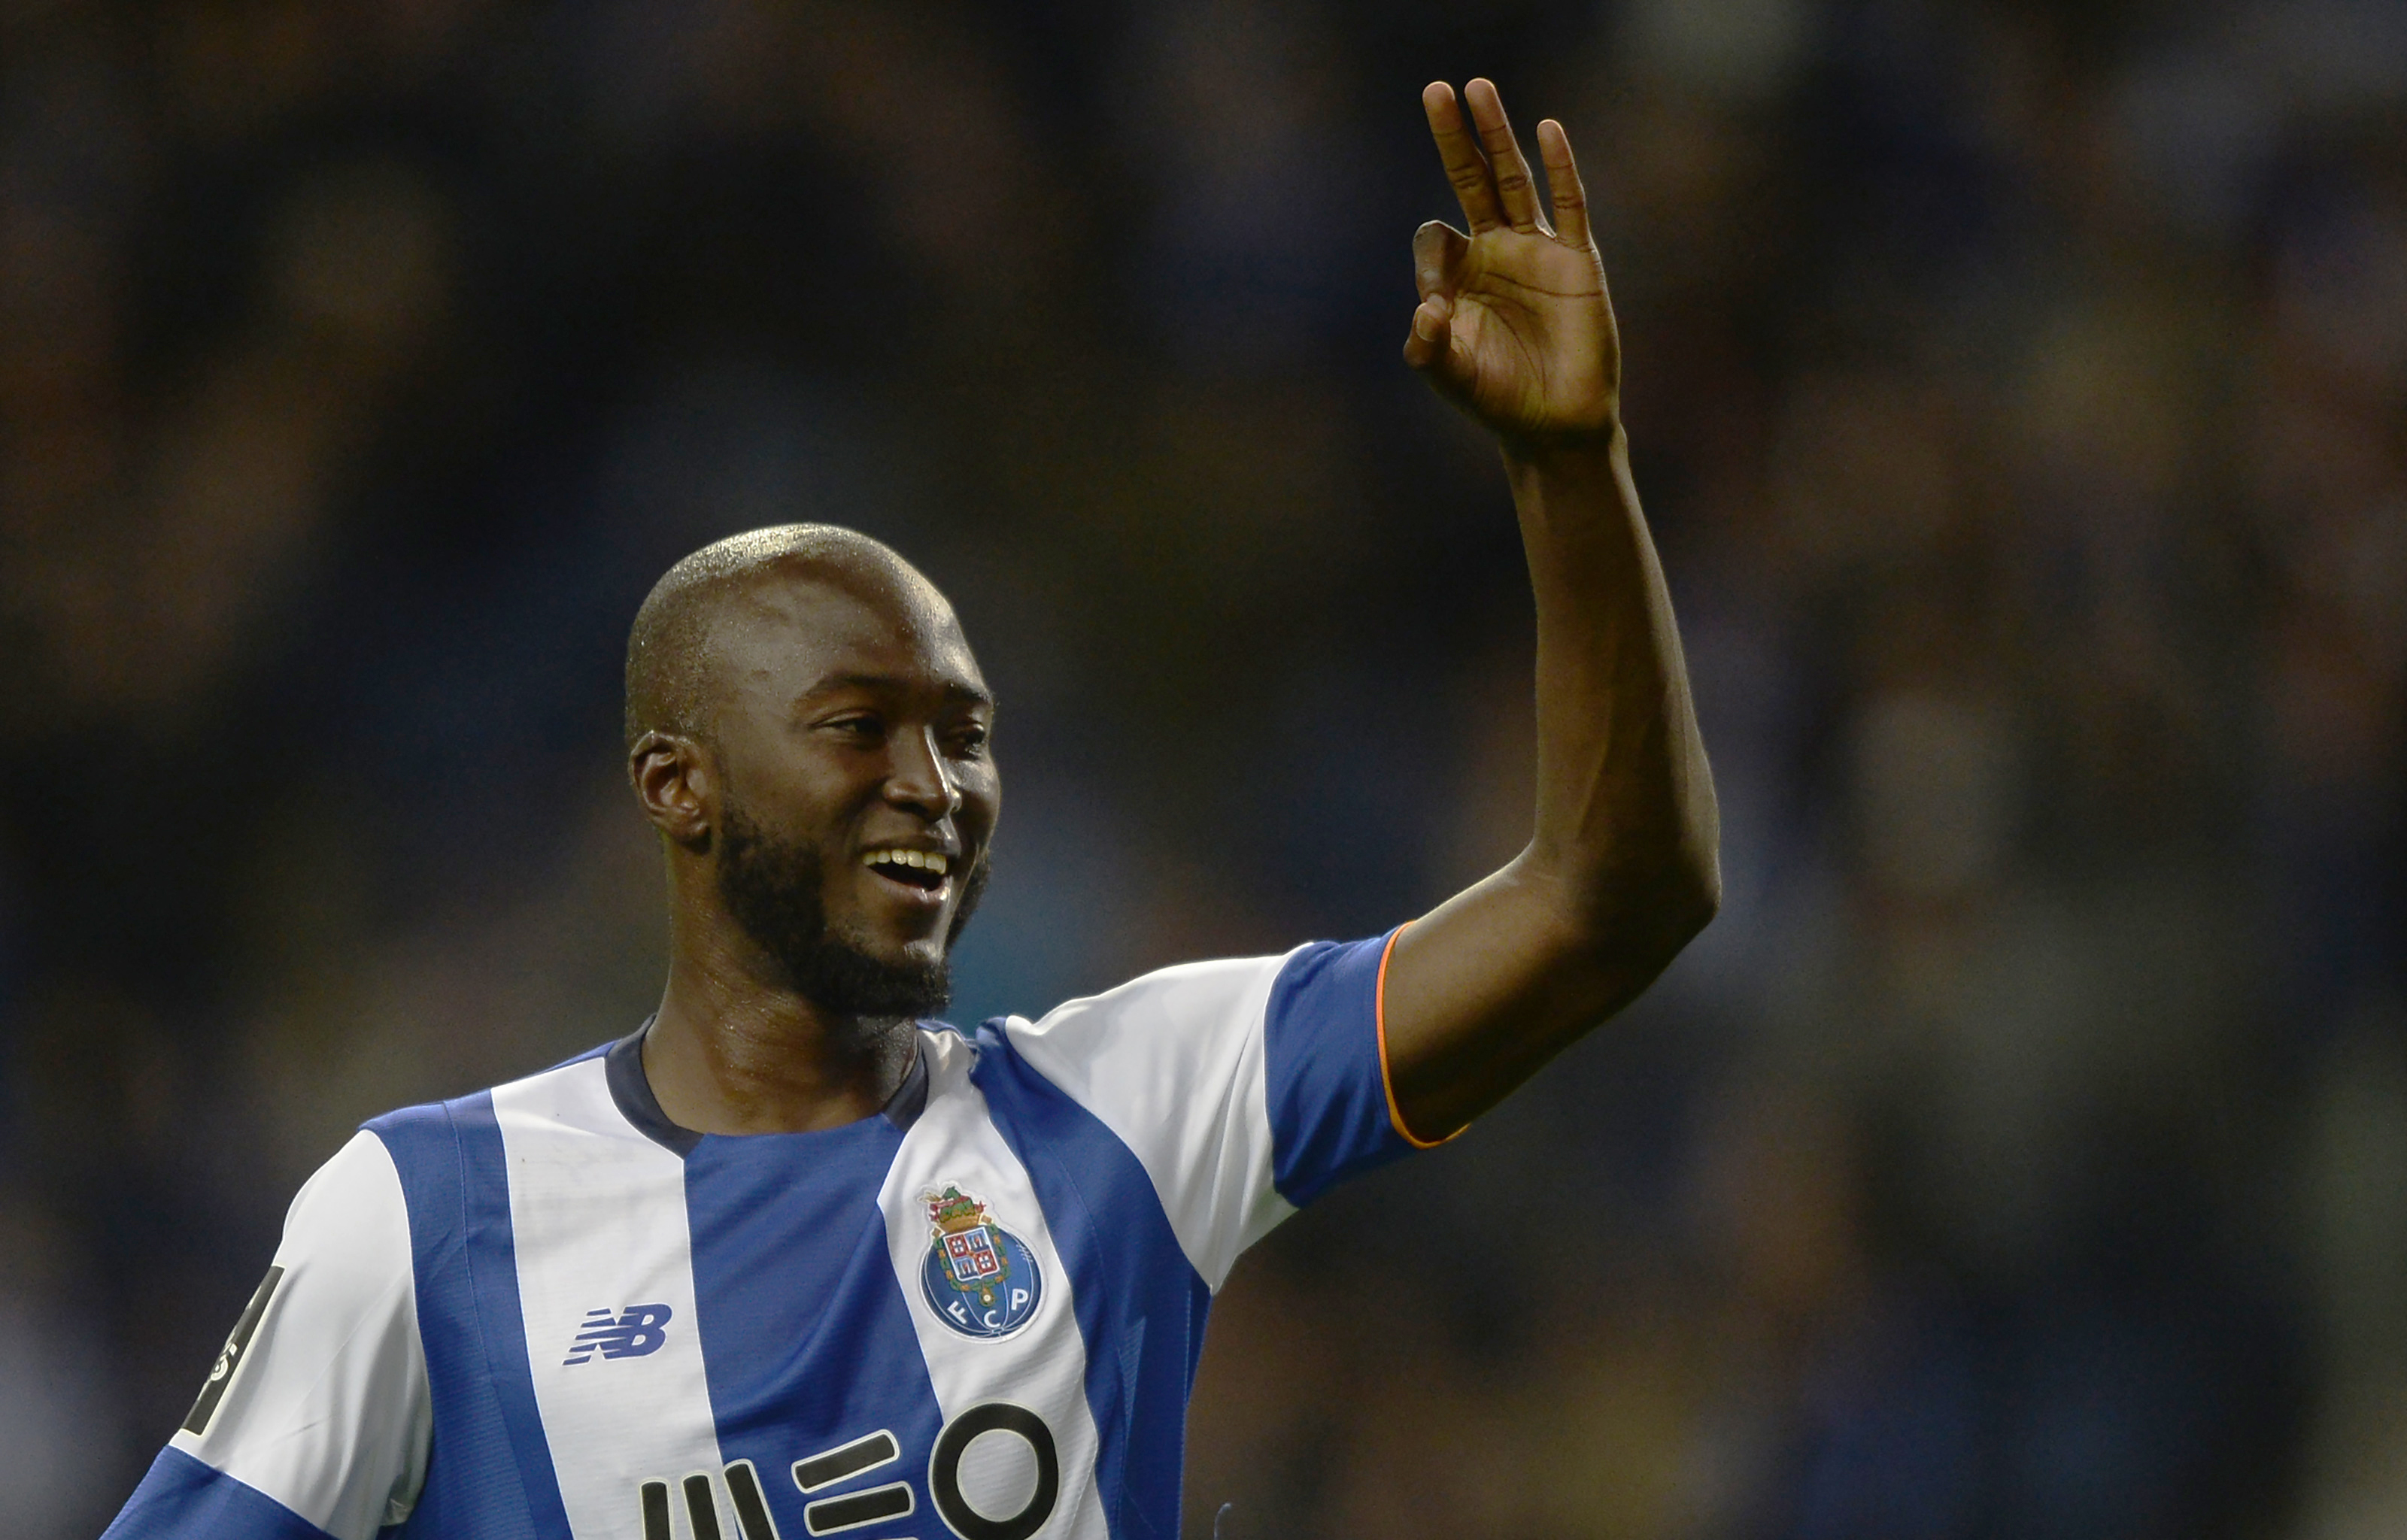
631, 1091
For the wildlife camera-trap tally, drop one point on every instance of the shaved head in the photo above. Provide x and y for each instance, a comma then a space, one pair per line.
808, 730
809, 735
676, 665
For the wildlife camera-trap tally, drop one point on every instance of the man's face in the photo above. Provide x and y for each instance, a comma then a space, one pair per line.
858, 794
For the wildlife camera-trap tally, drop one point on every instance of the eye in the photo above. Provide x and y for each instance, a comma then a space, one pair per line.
969, 743
860, 727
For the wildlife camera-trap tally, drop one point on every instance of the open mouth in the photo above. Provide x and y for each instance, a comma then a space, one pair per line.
924, 869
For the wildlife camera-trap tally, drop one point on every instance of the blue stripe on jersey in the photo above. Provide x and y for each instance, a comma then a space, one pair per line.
184, 1496
806, 1340
1141, 1305
1328, 1091
489, 1468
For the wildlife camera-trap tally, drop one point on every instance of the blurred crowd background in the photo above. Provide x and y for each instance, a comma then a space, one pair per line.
2019, 394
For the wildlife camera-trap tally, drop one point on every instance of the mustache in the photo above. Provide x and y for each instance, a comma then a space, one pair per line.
772, 888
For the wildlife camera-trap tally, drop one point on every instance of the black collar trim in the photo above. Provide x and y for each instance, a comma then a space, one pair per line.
623, 1067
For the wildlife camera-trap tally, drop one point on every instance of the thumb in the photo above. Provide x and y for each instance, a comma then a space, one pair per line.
1437, 256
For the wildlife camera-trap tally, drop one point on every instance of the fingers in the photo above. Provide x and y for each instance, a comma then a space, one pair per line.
1517, 190
1492, 179
1433, 331
1465, 168
1438, 255
1563, 181
1437, 252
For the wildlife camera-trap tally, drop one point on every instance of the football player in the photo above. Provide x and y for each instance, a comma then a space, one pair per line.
794, 1259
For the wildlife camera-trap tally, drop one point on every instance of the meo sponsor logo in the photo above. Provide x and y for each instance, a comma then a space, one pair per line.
631, 1333
976, 1500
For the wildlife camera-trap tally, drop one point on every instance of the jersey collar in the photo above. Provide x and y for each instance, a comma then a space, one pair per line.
623, 1067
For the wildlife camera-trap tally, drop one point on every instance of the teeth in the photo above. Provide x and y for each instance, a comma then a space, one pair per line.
926, 860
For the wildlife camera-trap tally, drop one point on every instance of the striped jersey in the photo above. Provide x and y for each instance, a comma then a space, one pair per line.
546, 1312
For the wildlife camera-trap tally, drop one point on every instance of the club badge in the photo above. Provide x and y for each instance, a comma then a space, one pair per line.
981, 1279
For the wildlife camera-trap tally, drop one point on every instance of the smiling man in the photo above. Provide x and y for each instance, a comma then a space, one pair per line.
793, 1259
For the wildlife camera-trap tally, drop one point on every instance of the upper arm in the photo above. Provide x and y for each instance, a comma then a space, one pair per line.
1504, 975
316, 1416
1246, 1088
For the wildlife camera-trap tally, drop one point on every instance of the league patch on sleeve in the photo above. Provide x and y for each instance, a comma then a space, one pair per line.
979, 1277
196, 1422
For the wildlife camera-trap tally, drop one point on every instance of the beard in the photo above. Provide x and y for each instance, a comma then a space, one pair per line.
774, 890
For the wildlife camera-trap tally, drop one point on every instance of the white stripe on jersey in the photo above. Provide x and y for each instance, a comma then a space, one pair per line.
327, 1409
599, 1215
954, 1142
1173, 1064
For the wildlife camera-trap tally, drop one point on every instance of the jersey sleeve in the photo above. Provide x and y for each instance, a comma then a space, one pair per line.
315, 1417
1246, 1088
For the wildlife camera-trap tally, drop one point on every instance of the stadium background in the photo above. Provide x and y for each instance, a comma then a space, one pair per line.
2016, 391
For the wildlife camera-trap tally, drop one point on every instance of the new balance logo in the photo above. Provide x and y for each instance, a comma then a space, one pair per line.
630, 1334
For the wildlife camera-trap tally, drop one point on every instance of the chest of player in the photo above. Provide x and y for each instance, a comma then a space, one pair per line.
866, 1330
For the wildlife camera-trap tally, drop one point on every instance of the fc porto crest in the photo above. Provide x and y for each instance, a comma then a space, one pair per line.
979, 1277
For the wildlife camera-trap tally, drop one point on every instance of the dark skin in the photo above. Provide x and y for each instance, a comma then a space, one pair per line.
849, 712
1622, 867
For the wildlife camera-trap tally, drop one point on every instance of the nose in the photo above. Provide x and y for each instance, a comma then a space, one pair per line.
920, 779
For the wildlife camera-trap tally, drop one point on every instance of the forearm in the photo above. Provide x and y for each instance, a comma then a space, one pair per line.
1621, 870
1625, 821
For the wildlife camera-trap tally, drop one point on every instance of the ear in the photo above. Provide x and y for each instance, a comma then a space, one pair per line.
678, 785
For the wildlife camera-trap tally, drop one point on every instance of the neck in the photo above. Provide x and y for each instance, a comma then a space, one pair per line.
737, 1050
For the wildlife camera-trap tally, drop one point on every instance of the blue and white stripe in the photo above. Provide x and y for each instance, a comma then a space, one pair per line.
418, 1364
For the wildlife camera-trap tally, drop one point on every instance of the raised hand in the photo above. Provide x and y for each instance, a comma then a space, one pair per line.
1514, 325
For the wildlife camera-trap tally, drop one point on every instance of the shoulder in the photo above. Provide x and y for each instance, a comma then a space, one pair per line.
352, 1187
347, 1235
447, 1157
433, 1131
343, 1265
317, 1400
1232, 989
